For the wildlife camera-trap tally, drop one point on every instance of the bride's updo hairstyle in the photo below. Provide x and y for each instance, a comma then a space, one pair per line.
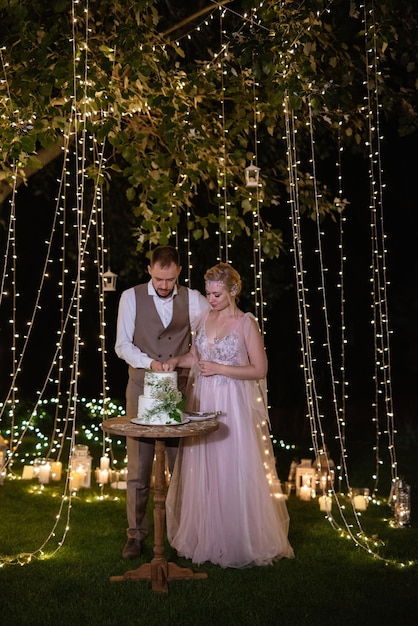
224, 274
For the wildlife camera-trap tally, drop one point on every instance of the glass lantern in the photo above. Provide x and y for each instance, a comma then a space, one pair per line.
80, 467
109, 280
402, 503
252, 175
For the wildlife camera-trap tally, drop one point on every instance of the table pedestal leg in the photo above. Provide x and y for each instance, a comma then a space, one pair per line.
159, 571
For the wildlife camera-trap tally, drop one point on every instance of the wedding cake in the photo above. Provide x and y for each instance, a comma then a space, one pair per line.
162, 402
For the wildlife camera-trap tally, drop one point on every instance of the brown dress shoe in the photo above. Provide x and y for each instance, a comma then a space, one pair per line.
132, 548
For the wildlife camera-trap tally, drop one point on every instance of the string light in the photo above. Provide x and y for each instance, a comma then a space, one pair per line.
257, 226
223, 195
378, 279
314, 399
343, 397
82, 222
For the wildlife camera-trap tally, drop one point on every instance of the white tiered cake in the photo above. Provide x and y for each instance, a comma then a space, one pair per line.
159, 403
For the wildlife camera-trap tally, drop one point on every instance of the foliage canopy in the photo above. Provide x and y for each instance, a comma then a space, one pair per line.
180, 119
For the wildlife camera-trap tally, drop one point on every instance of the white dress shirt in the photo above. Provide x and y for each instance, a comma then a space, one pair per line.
124, 347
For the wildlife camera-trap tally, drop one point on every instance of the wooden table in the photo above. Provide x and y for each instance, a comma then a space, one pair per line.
159, 571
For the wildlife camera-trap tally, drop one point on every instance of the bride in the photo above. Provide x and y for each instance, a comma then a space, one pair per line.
224, 503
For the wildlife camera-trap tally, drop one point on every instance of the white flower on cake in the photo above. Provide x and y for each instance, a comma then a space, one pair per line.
162, 402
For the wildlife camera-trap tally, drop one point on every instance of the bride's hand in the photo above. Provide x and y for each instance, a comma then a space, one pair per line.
208, 368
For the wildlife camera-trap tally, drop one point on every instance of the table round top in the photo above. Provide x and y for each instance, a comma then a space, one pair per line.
123, 426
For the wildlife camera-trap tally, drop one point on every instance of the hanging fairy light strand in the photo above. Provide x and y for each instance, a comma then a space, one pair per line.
56, 360
101, 250
382, 377
223, 192
301, 289
307, 343
339, 417
10, 252
40, 551
346, 528
341, 203
89, 219
257, 247
36, 308
65, 319
70, 321
186, 240
58, 434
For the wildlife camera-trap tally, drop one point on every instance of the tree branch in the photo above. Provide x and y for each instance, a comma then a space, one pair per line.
189, 19
45, 156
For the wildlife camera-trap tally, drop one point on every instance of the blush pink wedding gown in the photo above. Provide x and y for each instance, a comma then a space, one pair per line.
224, 503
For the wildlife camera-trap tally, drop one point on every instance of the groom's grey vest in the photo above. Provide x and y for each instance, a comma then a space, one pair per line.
158, 342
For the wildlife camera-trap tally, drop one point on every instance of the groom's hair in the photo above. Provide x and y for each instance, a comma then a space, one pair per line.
165, 256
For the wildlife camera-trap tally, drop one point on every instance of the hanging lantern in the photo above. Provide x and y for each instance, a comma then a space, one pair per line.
109, 281
252, 175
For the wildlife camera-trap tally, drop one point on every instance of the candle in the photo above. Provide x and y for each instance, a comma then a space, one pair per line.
360, 503
80, 463
28, 471
306, 480
102, 476
114, 478
56, 469
77, 479
43, 474
81, 472
305, 492
104, 463
325, 503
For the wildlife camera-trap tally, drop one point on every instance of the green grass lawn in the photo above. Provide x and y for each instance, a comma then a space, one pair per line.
331, 581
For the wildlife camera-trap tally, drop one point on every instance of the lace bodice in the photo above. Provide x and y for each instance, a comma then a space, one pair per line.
223, 350
229, 350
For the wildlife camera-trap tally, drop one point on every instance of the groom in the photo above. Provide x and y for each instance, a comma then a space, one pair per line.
155, 322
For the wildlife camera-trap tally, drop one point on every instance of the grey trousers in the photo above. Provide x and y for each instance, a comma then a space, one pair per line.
140, 453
